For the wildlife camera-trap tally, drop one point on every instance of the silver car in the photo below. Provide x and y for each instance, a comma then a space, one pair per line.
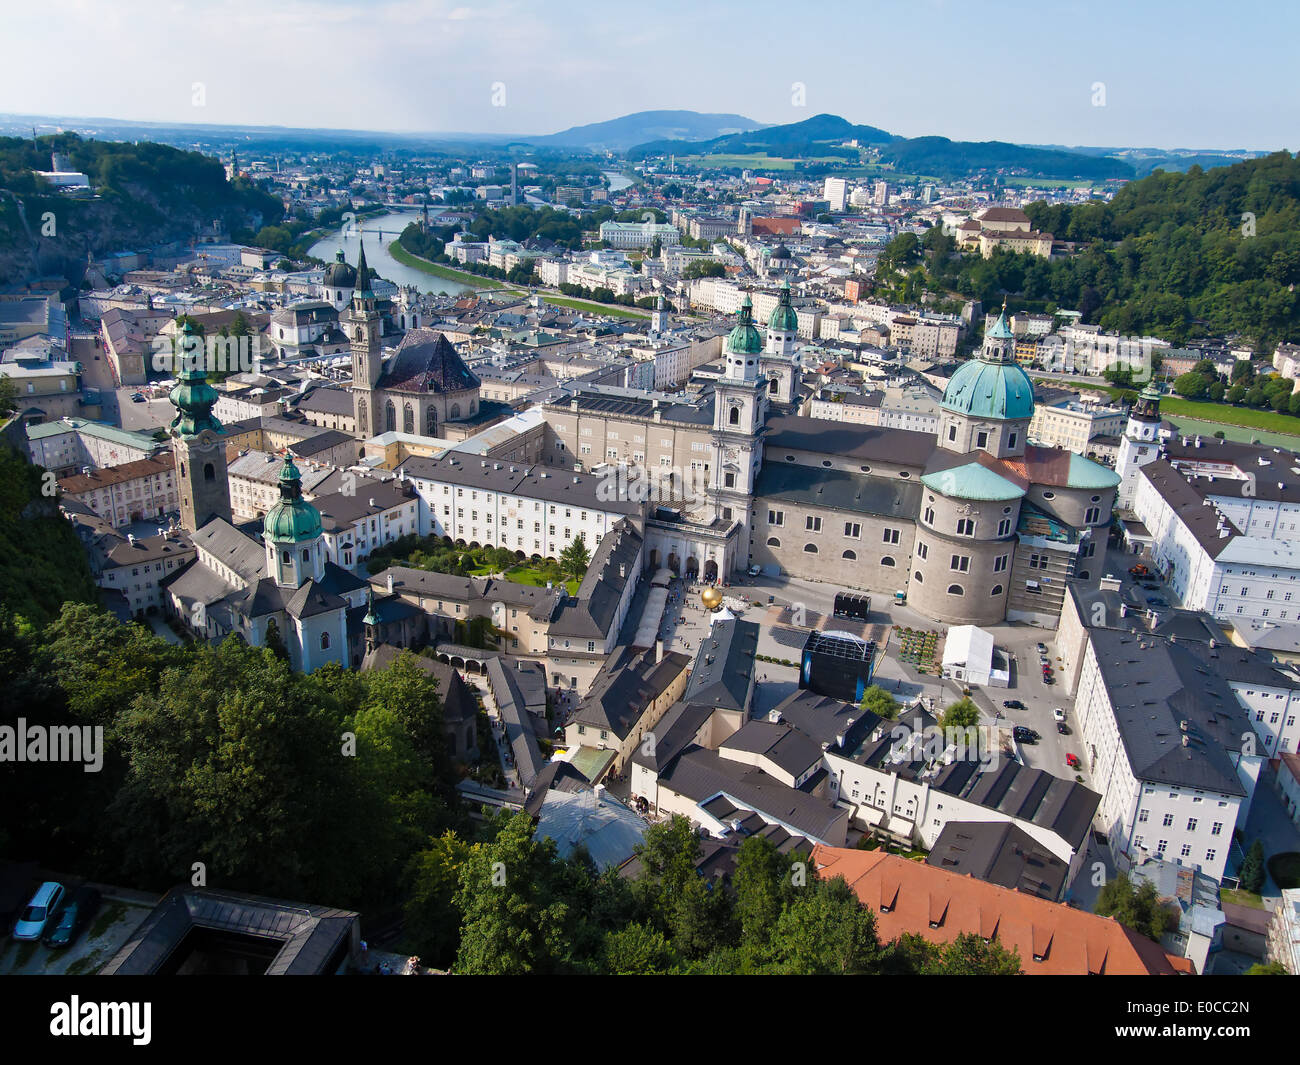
31, 922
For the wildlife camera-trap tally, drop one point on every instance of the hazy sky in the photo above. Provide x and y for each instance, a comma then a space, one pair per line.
1190, 74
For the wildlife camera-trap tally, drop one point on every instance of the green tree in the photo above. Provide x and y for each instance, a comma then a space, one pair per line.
638, 950
1253, 870
960, 715
880, 702
274, 642
432, 915
826, 931
1140, 909
1191, 385
575, 558
1272, 968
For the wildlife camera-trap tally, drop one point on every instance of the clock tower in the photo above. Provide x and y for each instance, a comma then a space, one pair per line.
740, 409
198, 439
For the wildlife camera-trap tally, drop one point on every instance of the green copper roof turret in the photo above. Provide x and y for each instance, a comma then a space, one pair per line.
784, 318
744, 338
192, 397
292, 520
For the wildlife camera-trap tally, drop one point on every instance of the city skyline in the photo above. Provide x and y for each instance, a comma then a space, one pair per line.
524, 69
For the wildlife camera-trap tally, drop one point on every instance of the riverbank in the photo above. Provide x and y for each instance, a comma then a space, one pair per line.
404, 257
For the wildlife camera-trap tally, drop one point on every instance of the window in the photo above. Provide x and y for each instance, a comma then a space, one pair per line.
776, 517
1049, 495
982, 439
888, 560
918, 578
965, 527
810, 549
952, 432
891, 536
960, 563
956, 589
772, 541
922, 551
1191, 824
734, 417
999, 563
1011, 439
929, 515
812, 523
1169, 820
324, 641
1091, 515
1143, 815
997, 590
851, 556
1004, 526
852, 530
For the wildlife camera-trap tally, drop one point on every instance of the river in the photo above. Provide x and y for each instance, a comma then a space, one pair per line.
391, 224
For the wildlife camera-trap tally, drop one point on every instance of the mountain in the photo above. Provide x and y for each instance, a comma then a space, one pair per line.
809, 137
619, 134
944, 158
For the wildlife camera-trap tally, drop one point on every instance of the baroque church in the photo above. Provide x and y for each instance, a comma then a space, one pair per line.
423, 387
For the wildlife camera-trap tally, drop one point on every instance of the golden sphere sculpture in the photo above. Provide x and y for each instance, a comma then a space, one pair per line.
711, 597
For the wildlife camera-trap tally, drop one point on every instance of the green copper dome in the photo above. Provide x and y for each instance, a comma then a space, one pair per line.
784, 318
192, 397
983, 388
744, 338
292, 520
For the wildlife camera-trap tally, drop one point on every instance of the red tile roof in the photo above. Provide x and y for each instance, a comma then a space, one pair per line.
1052, 939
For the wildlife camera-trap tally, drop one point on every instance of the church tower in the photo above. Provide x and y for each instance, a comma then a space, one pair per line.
780, 362
291, 534
659, 318
198, 439
740, 409
364, 328
1140, 445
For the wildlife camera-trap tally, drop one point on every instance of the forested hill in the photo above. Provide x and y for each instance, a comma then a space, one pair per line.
1173, 255
1202, 252
146, 194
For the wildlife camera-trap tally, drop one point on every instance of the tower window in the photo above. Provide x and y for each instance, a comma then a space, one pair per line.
324, 641
306, 556
285, 557
1011, 439
734, 417
209, 472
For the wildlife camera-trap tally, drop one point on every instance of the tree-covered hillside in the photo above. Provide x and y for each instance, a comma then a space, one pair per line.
1178, 256
145, 194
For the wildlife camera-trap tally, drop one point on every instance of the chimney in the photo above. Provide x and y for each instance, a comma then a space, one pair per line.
659, 651
390, 584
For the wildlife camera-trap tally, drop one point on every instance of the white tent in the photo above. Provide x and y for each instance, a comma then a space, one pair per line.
968, 654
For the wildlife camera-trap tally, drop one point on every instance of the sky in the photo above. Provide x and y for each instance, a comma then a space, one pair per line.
1142, 73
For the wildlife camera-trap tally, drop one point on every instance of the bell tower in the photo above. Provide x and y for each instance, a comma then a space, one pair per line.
1140, 444
363, 327
198, 439
739, 411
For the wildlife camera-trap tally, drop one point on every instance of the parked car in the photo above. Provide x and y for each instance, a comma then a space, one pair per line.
1150, 586
1024, 735
1072, 760
1013, 704
1058, 714
1047, 679
1155, 600
754, 571
31, 922
1062, 728
72, 917
137, 398
1042, 649
1140, 570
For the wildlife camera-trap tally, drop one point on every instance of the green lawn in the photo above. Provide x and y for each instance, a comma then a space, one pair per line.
1226, 414
611, 310
538, 578
752, 162
1241, 898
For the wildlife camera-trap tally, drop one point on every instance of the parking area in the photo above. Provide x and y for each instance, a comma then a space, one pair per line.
112, 925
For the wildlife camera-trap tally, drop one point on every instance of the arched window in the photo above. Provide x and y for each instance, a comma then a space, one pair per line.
454, 413
852, 556
408, 419
918, 578
810, 549
888, 560
324, 641
390, 417
956, 589
362, 423
734, 417
358, 335
772, 541
209, 472
285, 557
306, 555
997, 590
772, 385
431, 421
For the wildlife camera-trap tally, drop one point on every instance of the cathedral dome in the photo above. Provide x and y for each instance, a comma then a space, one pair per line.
339, 274
987, 389
292, 520
744, 338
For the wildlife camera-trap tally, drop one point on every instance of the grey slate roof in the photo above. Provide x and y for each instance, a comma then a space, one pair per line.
888, 497
724, 666
625, 685
1002, 853
863, 442
1154, 685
